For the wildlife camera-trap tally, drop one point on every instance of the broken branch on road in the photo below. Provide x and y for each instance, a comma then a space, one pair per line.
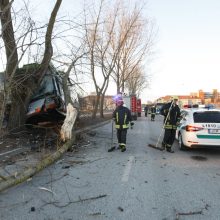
188, 213
56, 204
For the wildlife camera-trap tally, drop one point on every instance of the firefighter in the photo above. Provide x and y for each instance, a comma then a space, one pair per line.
122, 118
171, 113
153, 112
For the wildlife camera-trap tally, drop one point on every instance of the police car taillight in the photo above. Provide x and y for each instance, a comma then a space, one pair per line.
193, 128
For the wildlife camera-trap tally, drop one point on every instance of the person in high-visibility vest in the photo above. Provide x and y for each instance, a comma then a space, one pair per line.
122, 118
153, 112
171, 113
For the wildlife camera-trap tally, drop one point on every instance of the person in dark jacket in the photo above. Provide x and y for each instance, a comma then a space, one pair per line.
146, 110
122, 118
171, 113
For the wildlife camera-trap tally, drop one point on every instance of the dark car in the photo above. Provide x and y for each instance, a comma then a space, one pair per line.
48, 103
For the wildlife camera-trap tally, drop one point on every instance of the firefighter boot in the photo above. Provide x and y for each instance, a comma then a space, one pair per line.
119, 147
123, 148
170, 150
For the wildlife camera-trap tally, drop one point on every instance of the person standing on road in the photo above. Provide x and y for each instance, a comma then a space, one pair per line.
122, 118
146, 110
171, 113
153, 112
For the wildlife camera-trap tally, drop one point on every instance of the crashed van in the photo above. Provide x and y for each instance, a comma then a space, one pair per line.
47, 105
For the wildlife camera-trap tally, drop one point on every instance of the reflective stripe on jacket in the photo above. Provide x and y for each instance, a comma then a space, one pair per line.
122, 116
172, 117
124, 125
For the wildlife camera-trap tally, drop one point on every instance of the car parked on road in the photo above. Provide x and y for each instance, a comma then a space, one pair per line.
199, 127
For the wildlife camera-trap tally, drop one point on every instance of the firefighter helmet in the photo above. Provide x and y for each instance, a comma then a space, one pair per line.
119, 102
175, 98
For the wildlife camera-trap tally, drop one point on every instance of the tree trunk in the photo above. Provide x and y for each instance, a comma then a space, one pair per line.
102, 105
66, 130
48, 52
17, 113
97, 102
8, 37
66, 90
11, 57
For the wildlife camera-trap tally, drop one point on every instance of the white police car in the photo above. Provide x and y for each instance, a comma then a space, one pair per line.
199, 128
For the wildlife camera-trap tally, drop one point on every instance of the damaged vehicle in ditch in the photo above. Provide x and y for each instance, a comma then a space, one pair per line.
47, 105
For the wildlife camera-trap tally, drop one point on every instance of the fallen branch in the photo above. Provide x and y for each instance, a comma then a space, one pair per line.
96, 213
188, 213
71, 202
59, 178
91, 198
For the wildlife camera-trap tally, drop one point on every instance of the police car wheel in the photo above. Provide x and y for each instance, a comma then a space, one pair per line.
181, 145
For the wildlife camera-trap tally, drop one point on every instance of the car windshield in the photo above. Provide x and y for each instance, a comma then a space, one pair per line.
207, 117
46, 87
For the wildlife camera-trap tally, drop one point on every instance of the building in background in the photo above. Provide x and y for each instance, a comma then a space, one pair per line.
210, 97
87, 103
200, 98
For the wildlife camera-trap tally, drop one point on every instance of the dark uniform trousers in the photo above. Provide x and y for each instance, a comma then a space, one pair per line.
121, 135
169, 137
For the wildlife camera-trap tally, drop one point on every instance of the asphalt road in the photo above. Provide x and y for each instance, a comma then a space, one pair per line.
139, 184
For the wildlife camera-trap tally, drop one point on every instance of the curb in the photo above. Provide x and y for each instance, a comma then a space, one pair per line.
30, 172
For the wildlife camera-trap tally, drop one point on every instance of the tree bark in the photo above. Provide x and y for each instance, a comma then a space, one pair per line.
48, 52
97, 102
8, 37
66, 130
102, 106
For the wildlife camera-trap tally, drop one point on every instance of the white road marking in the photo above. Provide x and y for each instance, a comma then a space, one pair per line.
127, 169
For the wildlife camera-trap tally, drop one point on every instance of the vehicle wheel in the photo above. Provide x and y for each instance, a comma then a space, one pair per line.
181, 145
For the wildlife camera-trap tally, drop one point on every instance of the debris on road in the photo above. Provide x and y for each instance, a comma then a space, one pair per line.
46, 189
153, 146
96, 213
56, 204
120, 209
188, 213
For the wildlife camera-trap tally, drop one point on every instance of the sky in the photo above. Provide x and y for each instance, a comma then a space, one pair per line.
186, 50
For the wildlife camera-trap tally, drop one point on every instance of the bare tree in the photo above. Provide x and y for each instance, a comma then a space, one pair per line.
19, 84
106, 56
112, 38
137, 82
91, 33
139, 35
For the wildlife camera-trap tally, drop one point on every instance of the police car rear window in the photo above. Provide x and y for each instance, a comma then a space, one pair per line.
207, 117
